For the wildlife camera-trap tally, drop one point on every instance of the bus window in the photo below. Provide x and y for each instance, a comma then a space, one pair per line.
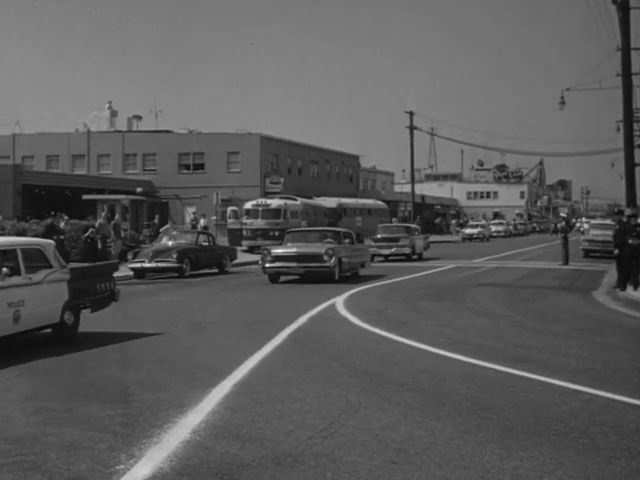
251, 214
294, 214
271, 214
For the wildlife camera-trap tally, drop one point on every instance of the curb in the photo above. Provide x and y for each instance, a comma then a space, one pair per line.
624, 302
128, 274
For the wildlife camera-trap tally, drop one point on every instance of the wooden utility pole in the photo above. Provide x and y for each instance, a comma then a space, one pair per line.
624, 21
412, 128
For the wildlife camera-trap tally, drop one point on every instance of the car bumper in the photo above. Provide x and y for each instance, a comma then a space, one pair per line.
390, 251
290, 268
153, 267
473, 236
601, 249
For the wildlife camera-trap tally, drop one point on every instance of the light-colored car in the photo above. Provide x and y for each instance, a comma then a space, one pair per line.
305, 252
398, 239
500, 228
39, 291
598, 238
521, 228
476, 231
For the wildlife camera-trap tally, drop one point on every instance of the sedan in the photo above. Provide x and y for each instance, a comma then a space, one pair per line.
476, 231
500, 228
598, 238
182, 252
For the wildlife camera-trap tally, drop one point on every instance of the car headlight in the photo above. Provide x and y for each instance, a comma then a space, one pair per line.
329, 254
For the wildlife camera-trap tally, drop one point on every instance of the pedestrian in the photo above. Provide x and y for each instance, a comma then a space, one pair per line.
633, 249
103, 229
203, 224
155, 227
89, 252
619, 249
116, 237
194, 221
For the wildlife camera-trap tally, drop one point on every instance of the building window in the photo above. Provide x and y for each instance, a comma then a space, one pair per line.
495, 195
469, 195
149, 163
104, 163
337, 170
191, 162
476, 195
233, 162
78, 164
52, 163
289, 166
299, 167
130, 163
350, 174
522, 194
28, 162
315, 169
481, 195
274, 163
327, 166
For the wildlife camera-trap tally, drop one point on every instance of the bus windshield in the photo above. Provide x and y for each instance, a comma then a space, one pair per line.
262, 214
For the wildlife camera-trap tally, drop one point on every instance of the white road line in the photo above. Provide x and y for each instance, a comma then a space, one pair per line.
526, 249
172, 439
340, 305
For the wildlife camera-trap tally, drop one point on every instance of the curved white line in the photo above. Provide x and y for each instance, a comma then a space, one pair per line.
173, 438
340, 305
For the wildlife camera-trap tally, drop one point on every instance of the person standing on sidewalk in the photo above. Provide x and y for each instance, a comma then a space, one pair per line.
619, 248
633, 249
116, 237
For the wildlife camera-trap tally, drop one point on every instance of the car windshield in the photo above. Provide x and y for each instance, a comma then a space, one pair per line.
393, 230
498, 223
312, 236
475, 225
601, 227
177, 238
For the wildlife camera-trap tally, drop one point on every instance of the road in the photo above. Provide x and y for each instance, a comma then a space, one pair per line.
485, 360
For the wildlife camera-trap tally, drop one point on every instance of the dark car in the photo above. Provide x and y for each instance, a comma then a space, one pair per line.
182, 251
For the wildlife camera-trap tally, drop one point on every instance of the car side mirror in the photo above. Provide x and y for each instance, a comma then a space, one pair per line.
4, 273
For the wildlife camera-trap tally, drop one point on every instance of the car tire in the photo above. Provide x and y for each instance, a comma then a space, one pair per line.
273, 277
185, 268
139, 274
66, 330
225, 264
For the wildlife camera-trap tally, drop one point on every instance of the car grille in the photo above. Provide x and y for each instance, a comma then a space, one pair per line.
299, 258
386, 240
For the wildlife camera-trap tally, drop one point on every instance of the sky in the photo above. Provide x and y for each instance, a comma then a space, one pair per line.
334, 73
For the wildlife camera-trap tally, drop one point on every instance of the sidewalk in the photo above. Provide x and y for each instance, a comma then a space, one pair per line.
444, 239
244, 259
627, 302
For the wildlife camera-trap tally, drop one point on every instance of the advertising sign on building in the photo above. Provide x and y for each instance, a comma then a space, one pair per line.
273, 184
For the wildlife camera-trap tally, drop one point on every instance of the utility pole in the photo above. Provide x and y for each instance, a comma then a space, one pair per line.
624, 21
412, 128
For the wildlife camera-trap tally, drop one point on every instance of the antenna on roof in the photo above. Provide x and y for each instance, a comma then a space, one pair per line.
156, 113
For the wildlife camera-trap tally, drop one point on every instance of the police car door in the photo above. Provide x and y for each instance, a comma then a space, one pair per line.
13, 293
47, 285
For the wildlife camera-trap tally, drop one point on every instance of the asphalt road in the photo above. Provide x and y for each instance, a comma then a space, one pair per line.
491, 361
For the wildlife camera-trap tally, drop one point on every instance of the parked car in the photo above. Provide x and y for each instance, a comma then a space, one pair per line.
520, 228
304, 252
398, 239
476, 231
39, 291
598, 238
500, 228
182, 251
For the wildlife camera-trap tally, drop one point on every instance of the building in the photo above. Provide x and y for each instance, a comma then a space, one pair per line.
376, 183
169, 173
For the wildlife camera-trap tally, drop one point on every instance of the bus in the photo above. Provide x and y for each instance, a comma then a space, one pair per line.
264, 221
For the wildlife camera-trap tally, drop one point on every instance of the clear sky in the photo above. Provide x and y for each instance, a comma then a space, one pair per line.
336, 73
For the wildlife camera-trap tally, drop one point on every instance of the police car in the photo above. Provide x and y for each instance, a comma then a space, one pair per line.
39, 291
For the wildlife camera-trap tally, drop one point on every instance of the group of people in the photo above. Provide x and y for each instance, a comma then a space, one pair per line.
626, 244
199, 223
102, 240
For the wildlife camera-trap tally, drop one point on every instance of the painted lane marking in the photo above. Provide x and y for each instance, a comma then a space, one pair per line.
525, 249
172, 439
509, 264
340, 305
169, 442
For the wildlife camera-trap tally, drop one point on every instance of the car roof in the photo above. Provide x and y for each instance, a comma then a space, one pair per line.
186, 230
28, 241
320, 229
397, 225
